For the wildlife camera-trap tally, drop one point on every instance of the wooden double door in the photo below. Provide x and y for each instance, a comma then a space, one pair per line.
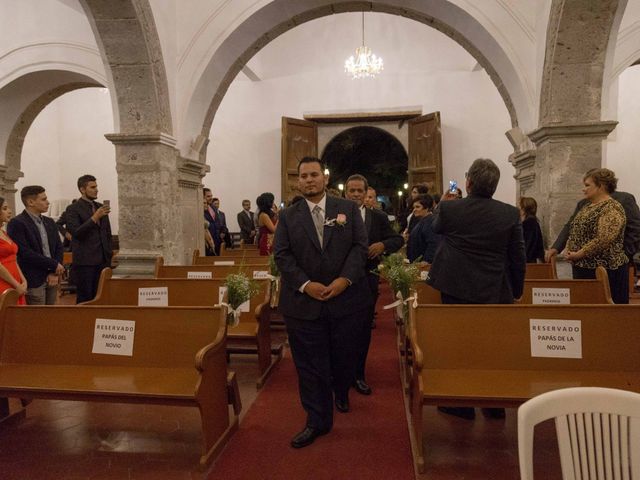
300, 139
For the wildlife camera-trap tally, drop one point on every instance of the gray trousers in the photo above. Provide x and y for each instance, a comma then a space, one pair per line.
42, 295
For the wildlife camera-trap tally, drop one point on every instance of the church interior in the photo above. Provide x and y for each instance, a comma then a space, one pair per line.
160, 98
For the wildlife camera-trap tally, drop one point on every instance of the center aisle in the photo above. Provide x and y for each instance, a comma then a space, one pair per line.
370, 442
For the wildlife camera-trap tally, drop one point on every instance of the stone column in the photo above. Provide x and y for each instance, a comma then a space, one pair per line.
157, 193
553, 174
8, 178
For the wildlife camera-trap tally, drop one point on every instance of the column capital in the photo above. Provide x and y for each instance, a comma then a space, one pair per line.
546, 133
141, 138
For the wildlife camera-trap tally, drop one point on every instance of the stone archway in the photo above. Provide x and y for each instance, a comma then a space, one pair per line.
279, 16
159, 194
570, 133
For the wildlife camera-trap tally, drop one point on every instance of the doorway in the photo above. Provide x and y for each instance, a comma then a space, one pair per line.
372, 152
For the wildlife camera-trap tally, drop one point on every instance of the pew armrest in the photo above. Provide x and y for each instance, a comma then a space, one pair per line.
233, 393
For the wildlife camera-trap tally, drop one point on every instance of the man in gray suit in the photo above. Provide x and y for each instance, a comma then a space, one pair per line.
481, 258
321, 250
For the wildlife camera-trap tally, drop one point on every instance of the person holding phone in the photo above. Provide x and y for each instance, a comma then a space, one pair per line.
88, 223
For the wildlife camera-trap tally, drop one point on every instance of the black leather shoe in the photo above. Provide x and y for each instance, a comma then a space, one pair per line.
362, 387
493, 413
307, 437
467, 413
342, 405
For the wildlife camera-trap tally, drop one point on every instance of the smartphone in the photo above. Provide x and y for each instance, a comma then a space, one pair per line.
106, 203
281, 204
453, 186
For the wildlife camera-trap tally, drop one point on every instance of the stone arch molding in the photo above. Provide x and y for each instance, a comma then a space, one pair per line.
281, 15
21, 101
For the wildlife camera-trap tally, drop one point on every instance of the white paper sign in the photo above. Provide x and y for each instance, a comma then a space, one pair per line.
260, 274
224, 262
199, 275
245, 307
114, 337
153, 297
556, 338
424, 274
555, 296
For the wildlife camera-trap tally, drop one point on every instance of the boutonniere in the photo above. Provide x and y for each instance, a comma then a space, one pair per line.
341, 219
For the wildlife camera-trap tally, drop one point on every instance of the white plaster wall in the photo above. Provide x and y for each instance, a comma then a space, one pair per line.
622, 149
66, 141
244, 152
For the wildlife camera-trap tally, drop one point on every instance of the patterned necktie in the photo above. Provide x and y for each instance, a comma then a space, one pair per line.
318, 221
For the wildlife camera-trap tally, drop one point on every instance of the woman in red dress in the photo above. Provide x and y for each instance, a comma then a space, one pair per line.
267, 221
10, 274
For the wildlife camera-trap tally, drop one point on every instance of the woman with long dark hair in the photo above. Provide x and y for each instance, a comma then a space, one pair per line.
267, 220
533, 243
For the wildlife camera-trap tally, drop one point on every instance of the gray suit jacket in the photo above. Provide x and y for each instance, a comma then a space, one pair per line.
300, 258
631, 232
245, 222
481, 257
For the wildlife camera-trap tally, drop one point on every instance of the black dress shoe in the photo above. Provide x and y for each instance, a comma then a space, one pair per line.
362, 387
467, 413
306, 437
342, 404
493, 412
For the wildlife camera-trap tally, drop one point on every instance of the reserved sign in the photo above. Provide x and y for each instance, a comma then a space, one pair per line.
224, 262
245, 307
556, 338
153, 296
114, 337
261, 275
199, 275
555, 296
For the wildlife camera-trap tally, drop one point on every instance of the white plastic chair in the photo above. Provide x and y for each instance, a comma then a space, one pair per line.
598, 432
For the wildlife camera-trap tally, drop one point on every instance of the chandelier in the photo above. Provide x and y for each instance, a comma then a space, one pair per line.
364, 64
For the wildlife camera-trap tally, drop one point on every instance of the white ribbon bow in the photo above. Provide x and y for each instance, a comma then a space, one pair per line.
400, 301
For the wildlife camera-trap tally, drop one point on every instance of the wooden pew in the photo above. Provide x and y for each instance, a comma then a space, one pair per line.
480, 355
542, 270
252, 259
178, 358
579, 292
251, 336
221, 271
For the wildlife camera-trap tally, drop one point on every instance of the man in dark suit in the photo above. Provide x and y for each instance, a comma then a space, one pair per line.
382, 240
481, 258
88, 223
631, 231
210, 217
39, 247
221, 222
245, 222
321, 248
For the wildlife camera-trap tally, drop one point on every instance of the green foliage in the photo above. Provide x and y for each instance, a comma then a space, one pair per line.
399, 273
240, 288
273, 268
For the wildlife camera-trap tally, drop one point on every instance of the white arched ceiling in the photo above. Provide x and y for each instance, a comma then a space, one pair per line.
276, 17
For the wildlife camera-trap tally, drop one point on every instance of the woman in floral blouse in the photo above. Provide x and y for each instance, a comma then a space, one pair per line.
597, 232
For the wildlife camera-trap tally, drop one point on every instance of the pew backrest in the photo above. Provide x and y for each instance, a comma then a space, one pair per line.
541, 270
208, 271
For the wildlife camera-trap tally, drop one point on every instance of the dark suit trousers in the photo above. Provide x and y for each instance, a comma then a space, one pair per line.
323, 353
86, 278
364, 337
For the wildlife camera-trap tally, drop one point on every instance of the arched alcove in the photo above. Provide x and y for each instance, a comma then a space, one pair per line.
371, 152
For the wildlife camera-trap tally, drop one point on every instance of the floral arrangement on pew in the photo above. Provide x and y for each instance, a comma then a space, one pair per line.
240, 289
400, 274
275, 282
